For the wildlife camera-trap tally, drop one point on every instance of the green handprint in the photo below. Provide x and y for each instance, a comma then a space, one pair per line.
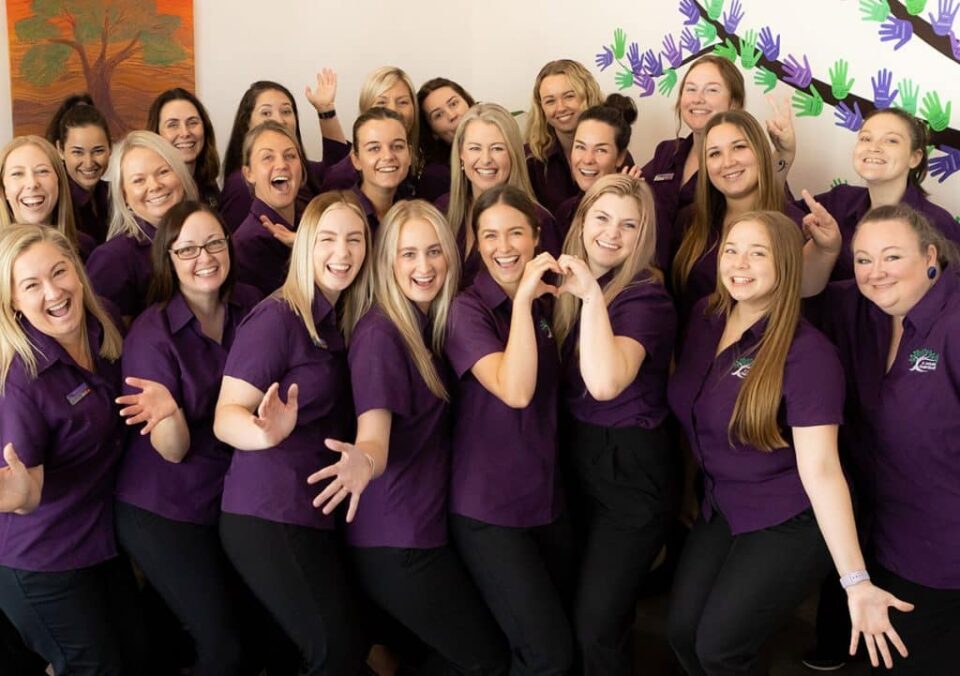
839, 85
727, 50
624, 79
619, 43
714, 9
936, 115
808, 105
765, 78
838, 181
667, 82
874, 10
915, 7
908, 95
706, 31
749, 54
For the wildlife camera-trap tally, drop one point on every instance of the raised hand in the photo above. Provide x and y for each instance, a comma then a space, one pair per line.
765, 78
780, 127
667, 82
324, 97
671, 51
689, 42
915, 7
690, 11
936, 116
820, 226
278, 231
797, 75
706, 31
275, 419
943, 23
733, 19
944, 166
727, 50
652, 64
847, 118
15, 482
634, 58
900, 30
908, 96
531, 283
874, 10
808, 105
577, 278
840, 86
604, 58
619, 43
349, 476
749, 54
769, 44
632, 171
882, 96
869, 615
151, 405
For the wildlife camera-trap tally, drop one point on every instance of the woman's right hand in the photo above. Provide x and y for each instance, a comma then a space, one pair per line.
151, 405
16, 485
531, 283
869, 615
820, 226
276, 419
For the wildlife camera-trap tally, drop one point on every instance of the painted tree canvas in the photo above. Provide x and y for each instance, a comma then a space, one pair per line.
123, 52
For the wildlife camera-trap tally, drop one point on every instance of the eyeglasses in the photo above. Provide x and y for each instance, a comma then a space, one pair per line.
185, 253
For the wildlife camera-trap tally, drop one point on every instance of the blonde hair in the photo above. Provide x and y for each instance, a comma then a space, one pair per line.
540, 135
709, 204
122, 222
639, 260
15, 240
754, 417
300, 285
250, 140
378, 82
397, 307
64, 208
461, 191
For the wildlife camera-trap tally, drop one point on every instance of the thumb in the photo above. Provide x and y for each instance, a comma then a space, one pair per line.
334, 445
292, 393
11, 458
902, 606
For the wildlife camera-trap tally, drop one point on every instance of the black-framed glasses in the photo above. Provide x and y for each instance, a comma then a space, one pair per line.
185, 253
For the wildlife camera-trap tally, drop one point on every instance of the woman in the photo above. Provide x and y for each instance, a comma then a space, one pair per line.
274, 169
616, 327
563, 89
148, 178
443, 103
759, 393
488, 145
505, 497
400, 460
178, 116
286, 551
381, 154
82, 137
33, 190
740, 167
895, 326
61, 581
600, 147
171, 477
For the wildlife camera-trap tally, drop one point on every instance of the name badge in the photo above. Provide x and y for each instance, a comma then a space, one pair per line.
79, 393
663, 177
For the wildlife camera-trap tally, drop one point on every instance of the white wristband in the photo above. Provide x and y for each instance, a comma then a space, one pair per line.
856, 577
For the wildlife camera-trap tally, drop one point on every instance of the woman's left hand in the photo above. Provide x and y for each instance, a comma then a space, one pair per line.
869, 615
324, 97
350, 476
278, 231
577, 278
151, 405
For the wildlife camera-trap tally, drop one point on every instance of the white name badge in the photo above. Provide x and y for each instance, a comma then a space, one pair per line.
663, 177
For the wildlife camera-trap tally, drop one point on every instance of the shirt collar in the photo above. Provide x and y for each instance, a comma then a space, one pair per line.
49, 351
179, 314
365, 203
321, 307
260, 208
489, 291
928, 309
78, 194
147, 229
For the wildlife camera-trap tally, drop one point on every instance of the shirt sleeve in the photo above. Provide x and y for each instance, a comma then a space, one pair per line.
471, 334
109, 269
260, 354
23, 425
645, 313
813, 381
148, 354
380, 370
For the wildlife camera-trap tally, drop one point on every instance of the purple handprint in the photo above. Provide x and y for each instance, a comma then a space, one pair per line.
944, 166
604, 58
797, 75
670, 50
882, 96
633, 56
900, 30
646, 84
732, 20
769, 45
848, 119
689, 41
690, 11
652, 64
943, 22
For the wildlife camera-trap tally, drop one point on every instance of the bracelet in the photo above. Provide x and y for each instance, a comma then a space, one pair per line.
328, 114
856, 577
373, 464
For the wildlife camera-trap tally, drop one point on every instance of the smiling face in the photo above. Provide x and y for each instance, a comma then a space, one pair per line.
273, 104
150, 187
560, 103
611, 230
275, 171
202, 276
485, 157
86, 153
704, 93
443, 109
339, 251
400, 100
181, 124
506, 242
47, 290
420, 268
883, 152
30, 185
889, 266
594, 153
746, 265
382, 154
731, 162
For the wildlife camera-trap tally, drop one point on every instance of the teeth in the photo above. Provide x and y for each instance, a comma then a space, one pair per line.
742, 280
89, 172
185, 145
60, 309
32, 201
732, 176
607, 245
589, 173
207, 272
388, 170
337, 267
506, 261
424, 281
276, 180
873, 160
487, 172
159, 199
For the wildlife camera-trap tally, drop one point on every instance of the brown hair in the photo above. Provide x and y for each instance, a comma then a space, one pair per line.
919, 135
729, 73
510, 196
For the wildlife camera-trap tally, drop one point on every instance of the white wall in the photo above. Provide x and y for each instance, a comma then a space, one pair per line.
495, 47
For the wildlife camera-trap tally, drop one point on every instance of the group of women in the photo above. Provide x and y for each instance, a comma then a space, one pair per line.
424, 394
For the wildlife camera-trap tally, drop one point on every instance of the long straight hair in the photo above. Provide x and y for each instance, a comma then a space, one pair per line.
754, 418
397, 307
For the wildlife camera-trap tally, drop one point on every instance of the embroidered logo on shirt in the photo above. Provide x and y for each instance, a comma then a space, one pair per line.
545, 328
79, 393
924, 360
663, 177
741, 367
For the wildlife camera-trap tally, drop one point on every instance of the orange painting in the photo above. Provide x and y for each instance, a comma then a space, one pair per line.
123, 52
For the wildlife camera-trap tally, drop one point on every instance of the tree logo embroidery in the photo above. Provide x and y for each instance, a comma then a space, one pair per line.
545, 328
741, 367
924, 360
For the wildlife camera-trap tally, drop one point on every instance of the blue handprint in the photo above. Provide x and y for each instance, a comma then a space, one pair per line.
944, 166
672, 52
943, 22
633, 56
900, 30
690, 11
797, 75
847, 118
689, 41
652, 65
882, 96
604, 58
732, 20
768, 44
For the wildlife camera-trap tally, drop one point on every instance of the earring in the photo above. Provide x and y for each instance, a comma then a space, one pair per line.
18, 315
463, 169
931, 272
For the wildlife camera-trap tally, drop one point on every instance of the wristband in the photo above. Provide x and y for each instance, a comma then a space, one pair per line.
856, 577
328, 114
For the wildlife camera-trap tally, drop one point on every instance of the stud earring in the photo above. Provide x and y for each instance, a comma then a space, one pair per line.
931, 272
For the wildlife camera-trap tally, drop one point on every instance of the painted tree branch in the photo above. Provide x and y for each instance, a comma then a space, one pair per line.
924, 31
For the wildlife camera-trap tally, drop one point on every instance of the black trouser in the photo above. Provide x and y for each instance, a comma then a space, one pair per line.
83, 622
931, 631
731, 593
15, 657
621, 500
525, 575
299, 575
431, 594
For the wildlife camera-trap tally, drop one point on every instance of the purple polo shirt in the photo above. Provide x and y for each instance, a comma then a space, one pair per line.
664, 174
434, 179
261, 258
504, 459
167, 345
848, 204
551, 179
343, 176
368, 209
564, 216
91, 210
272, 345
753, 489
407, 505
644, 312
237, 195
907, 425
120, 269
65, 420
